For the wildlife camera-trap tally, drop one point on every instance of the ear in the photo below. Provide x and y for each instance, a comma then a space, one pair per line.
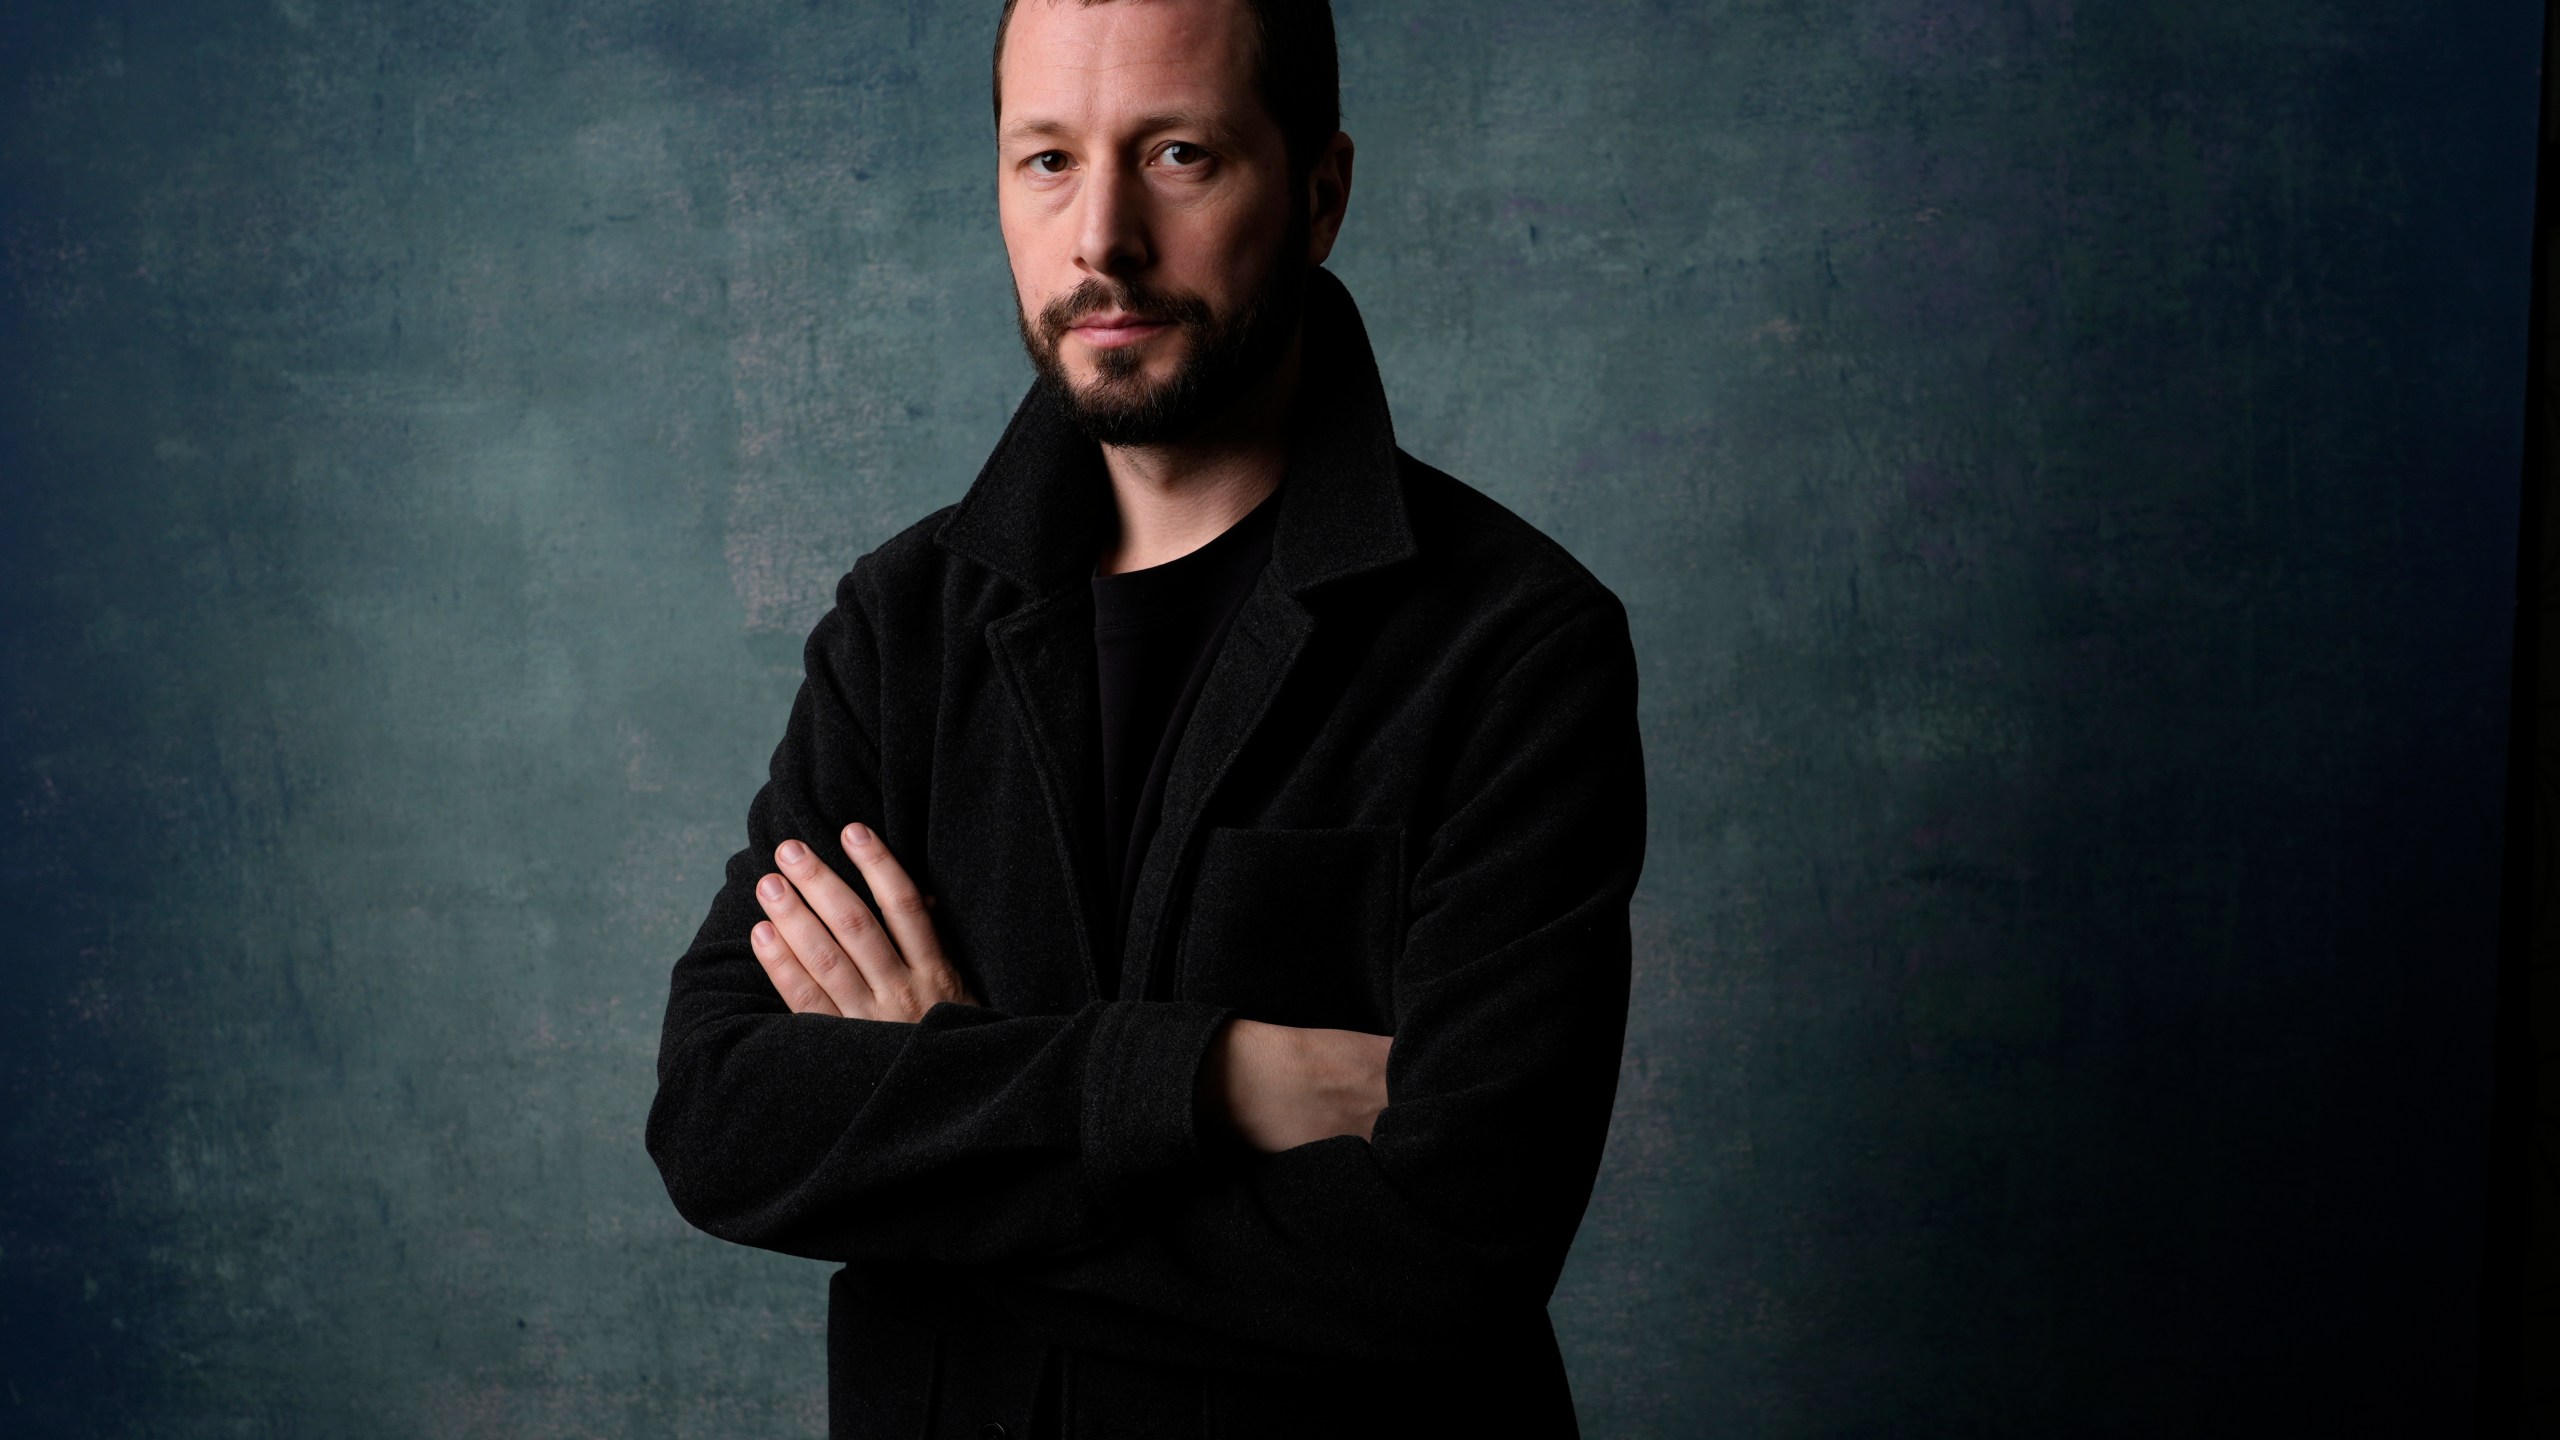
1328, 196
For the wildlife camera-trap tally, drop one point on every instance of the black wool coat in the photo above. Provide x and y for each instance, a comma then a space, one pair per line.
1410, 801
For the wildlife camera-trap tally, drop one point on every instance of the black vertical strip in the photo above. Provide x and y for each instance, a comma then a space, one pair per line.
2520, 1330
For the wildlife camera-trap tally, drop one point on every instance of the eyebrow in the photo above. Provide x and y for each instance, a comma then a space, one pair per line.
1172, 120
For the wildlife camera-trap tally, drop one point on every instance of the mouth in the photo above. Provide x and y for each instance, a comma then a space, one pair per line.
1108, 330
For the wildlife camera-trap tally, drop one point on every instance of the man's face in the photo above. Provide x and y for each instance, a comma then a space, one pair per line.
1159, 250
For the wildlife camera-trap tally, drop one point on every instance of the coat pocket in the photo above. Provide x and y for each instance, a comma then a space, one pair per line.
1298, 927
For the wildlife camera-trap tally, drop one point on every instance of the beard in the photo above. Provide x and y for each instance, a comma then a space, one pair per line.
1227, 356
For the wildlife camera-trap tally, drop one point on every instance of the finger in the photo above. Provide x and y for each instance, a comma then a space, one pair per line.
790, 979
903, 908
813, 942
849, 921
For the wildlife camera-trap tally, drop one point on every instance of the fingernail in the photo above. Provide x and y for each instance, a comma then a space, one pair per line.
771, 887
790, 852
860, 832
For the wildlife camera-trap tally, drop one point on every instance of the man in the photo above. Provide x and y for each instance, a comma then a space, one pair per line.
1179, 962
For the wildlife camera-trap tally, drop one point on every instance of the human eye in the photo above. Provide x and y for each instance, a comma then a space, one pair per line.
1048, 162
1183, 155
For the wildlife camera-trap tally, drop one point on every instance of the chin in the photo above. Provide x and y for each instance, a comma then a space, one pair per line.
1145, 365
1115, 395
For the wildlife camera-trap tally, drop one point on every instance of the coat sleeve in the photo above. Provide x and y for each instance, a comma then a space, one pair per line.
968, 1138
1511, 998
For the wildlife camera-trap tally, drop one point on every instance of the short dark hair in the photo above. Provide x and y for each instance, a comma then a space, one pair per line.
1294, 66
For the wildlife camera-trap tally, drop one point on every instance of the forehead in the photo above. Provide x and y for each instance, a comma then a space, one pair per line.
1069, 63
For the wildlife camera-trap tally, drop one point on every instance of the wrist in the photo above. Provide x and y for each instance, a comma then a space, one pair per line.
1212, 1091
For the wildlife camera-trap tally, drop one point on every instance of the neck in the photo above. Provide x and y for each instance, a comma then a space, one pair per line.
1172, 499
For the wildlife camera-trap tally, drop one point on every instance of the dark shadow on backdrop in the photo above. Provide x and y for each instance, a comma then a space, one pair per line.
2520, 1328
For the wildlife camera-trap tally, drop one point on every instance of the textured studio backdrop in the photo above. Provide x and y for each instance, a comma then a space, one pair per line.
2060, 459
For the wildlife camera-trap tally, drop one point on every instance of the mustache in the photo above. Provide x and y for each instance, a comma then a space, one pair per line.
1095, 295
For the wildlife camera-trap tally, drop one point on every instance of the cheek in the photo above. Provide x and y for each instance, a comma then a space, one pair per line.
1237, 240
1041, 249
1028, 232
1203, 254
1031, 278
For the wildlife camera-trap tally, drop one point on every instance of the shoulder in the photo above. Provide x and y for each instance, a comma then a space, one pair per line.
1475, 554
888, 609
900, 569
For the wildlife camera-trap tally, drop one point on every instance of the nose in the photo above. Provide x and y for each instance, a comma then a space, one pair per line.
1111, 231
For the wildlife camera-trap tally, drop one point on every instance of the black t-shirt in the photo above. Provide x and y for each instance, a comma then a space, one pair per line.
1155, 631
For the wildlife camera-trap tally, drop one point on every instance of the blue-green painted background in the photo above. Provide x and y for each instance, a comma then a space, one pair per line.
2060, 459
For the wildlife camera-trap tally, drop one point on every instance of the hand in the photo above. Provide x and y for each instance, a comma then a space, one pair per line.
1282, 1086
827, 954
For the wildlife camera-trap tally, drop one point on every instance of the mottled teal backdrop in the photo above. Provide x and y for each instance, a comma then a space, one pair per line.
2060, 460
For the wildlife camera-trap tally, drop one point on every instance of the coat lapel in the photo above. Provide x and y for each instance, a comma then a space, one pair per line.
1342, 513
1044, 650
1261, 648
1038, 514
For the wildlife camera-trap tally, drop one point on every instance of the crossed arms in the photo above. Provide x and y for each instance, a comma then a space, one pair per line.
1060, 1164
1276, 1087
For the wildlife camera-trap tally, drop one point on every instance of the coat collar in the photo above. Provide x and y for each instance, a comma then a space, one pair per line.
1041, 505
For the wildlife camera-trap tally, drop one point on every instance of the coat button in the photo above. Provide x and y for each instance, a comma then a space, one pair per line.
992, 1430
